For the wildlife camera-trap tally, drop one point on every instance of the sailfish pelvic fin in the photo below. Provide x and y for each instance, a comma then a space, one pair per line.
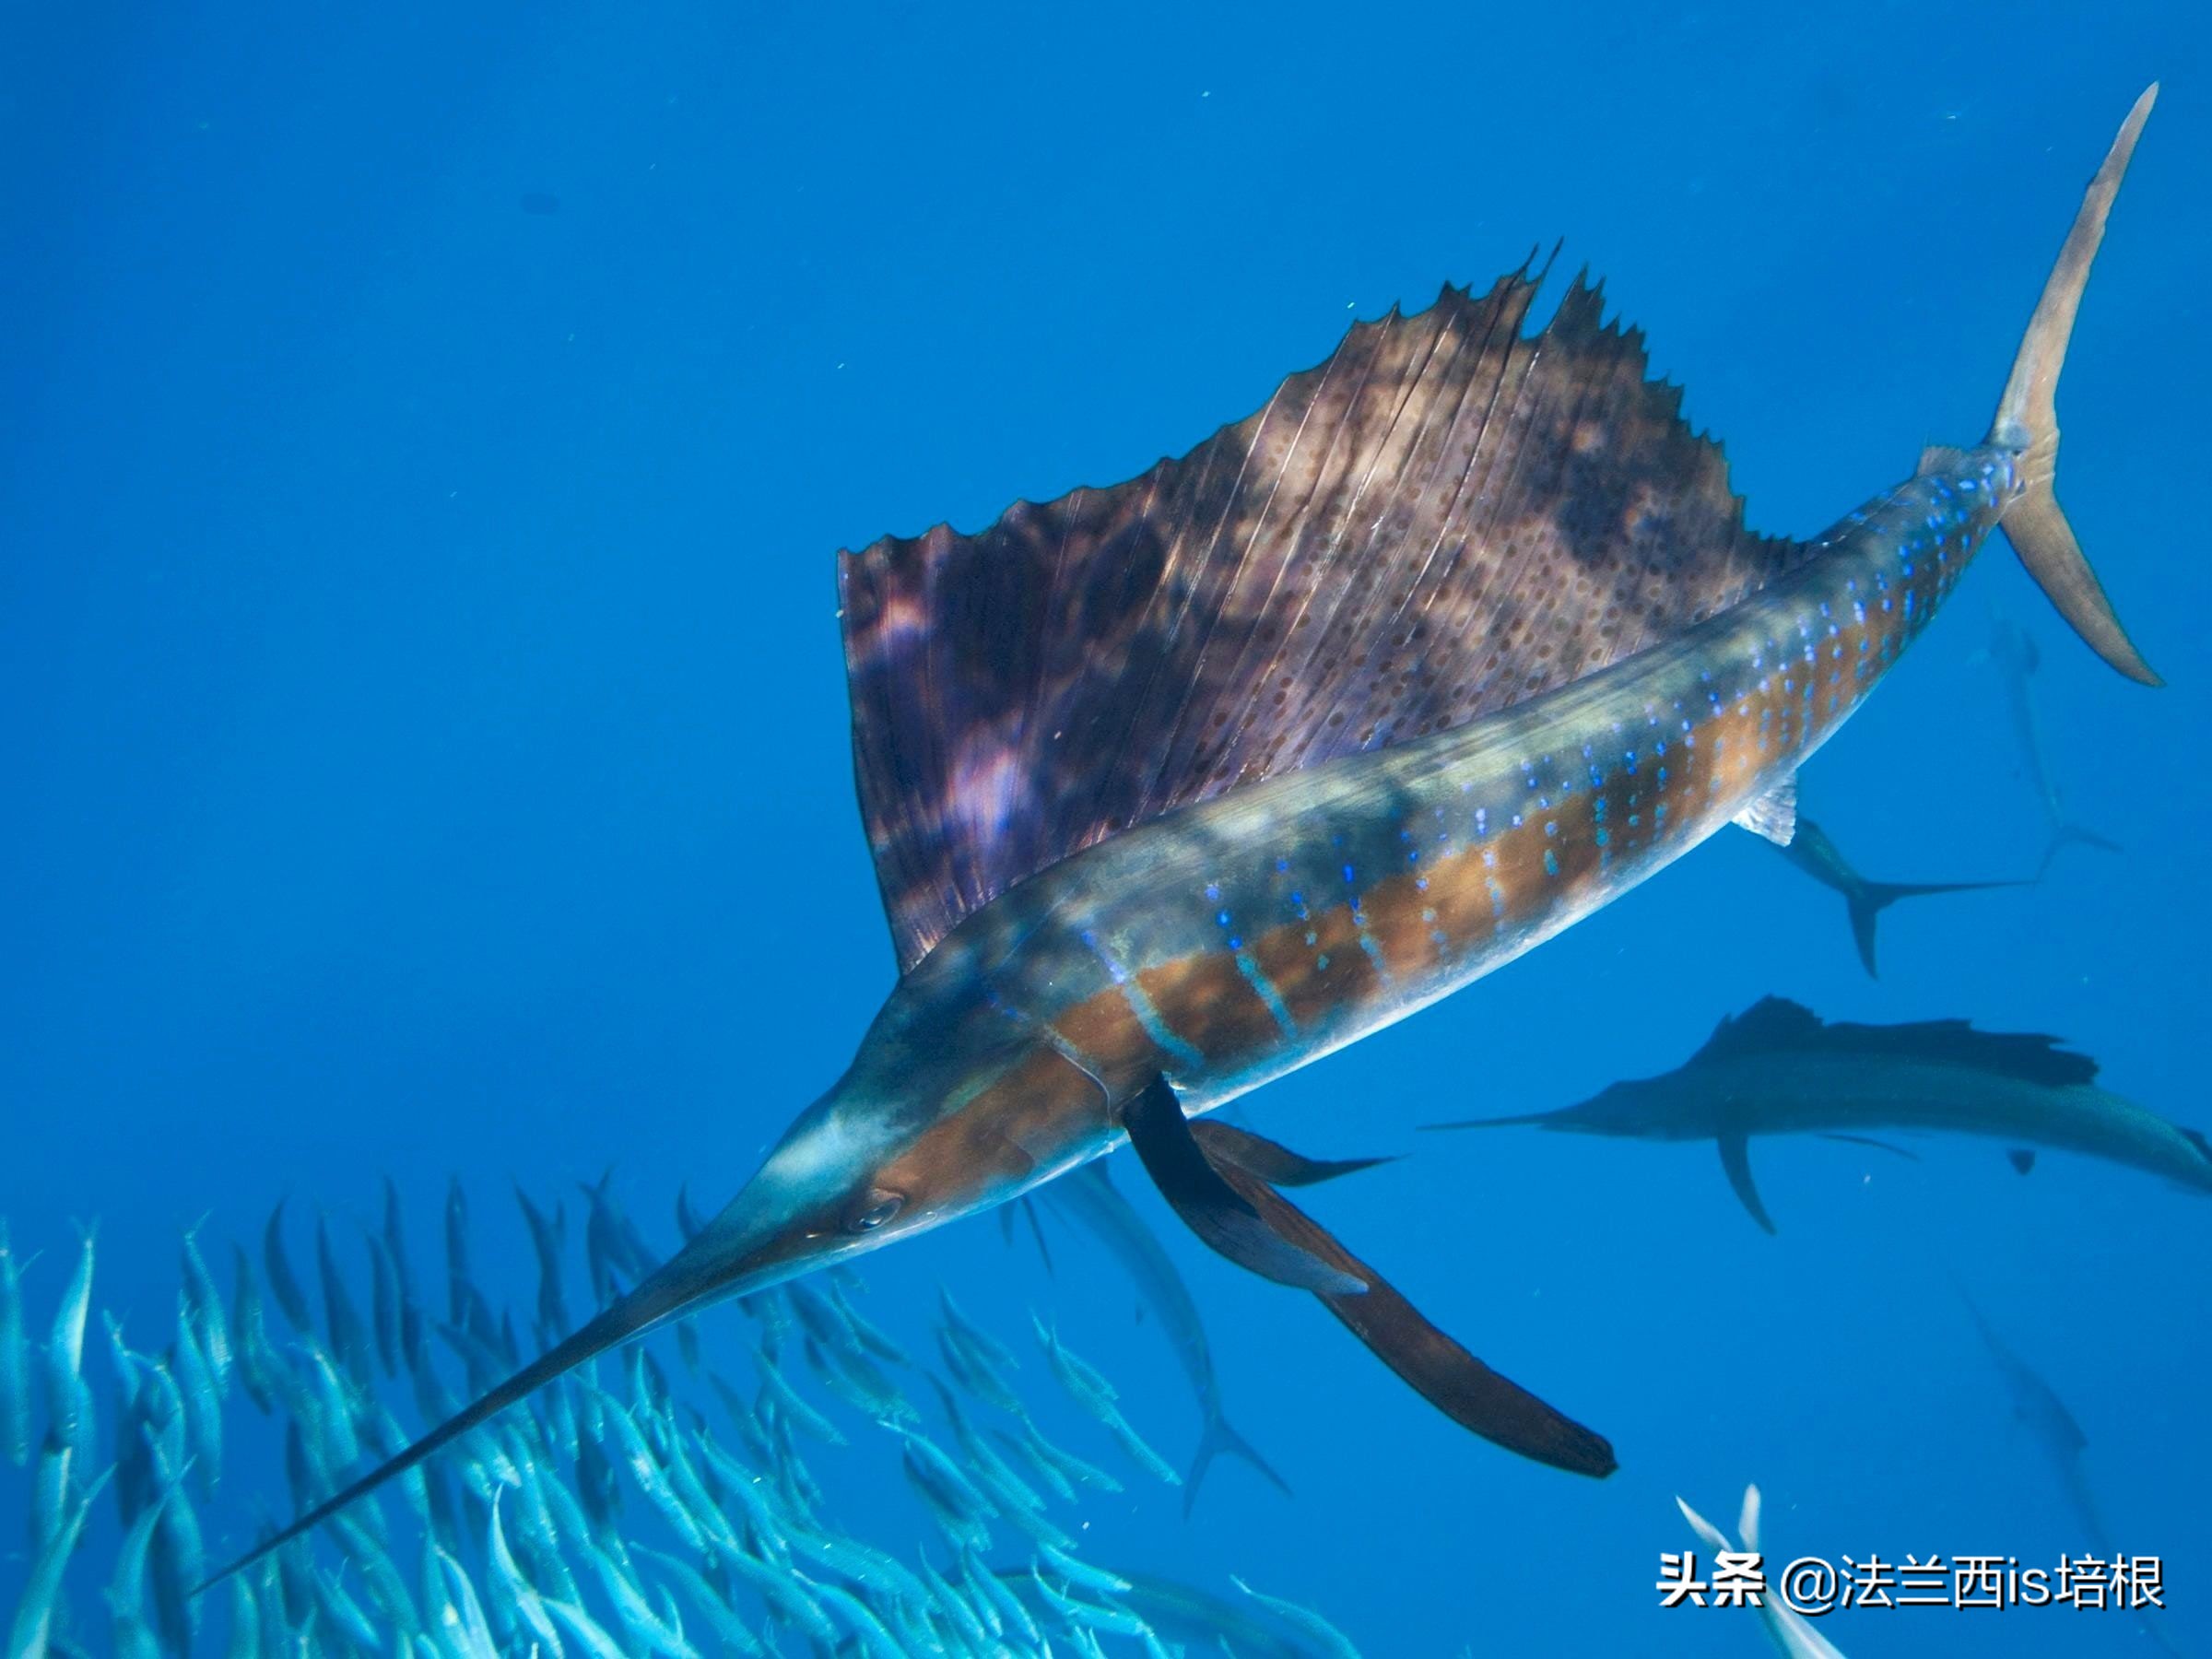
1273, 1163
1735, 1159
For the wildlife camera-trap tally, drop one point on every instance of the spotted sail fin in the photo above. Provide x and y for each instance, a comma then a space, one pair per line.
1446, 517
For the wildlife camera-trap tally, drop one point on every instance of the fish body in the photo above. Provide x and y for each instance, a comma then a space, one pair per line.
459, 1280
869, 1336
513, 1592
245, 1621
1007, 1490
2060, 1438
2036, 1403
127, 1585
1821, 1093
207, 1311
384, 1305
729, 1629
257, 1361
396, 1247
1049, 1464
2013, 652
1787, 1630
1326, 1638
283, 1285
30, 1629
1090, 1195
15, 1359
1227, 944
69, 1416
547, 1234
795, 1407
344, 1614
1177, 786
380, 1576
978, 1344
973, 1372
180, 1562
1779, 1069
201, 1399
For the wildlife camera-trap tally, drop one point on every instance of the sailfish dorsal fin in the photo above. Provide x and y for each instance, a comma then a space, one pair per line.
1446, 517
1775, 1025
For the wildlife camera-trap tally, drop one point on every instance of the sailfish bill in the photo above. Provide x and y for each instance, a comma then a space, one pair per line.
1210, 774
1204, 1184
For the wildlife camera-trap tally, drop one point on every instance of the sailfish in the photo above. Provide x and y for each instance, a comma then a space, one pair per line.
1177, 786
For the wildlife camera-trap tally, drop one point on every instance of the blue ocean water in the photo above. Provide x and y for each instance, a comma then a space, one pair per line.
425, 753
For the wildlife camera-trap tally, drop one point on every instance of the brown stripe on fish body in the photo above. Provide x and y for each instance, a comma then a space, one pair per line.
1400, 925
1422, 917
1316, 965
1105, 1030
1208, 1001
1534, 870
1467, 897
1468, 911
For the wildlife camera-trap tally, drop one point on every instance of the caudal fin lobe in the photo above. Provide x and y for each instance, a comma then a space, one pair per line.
1870, 898
1221, 1436
2028, 421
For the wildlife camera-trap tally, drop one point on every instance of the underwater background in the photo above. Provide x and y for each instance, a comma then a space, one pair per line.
425, 748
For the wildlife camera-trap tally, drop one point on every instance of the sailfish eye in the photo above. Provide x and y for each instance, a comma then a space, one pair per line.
880, 1207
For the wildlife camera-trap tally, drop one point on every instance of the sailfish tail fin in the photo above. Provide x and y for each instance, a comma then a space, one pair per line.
2027, 421
1870, 898
1221, 1436
2066, 833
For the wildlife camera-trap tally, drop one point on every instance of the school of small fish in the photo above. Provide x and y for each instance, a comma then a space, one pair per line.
632, 1509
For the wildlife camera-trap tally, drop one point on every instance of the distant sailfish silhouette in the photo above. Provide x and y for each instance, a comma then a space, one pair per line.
2012, 652
1813, 851
1177, 786
1779, 1069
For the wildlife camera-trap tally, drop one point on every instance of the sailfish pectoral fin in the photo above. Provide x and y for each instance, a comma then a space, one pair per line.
1210, 1178
1735, 1159
1223, 1219
1868, 1140
1439, 1369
